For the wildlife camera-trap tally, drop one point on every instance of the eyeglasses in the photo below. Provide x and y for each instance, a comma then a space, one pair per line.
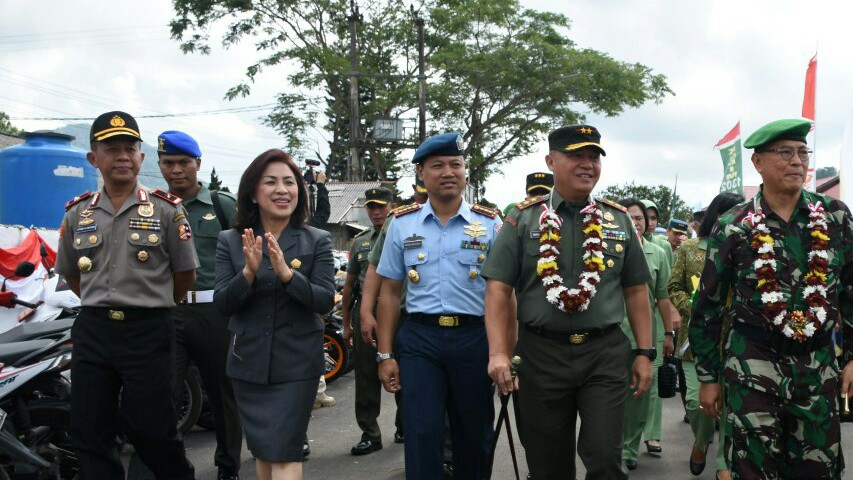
788, 153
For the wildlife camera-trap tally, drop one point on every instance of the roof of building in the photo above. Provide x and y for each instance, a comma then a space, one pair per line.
345, 195
9, 140
829, 186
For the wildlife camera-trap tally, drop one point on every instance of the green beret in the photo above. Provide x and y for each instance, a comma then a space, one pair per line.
789, 129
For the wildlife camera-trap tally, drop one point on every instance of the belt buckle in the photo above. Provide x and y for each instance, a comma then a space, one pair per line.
448, 321
577, 338
117, 315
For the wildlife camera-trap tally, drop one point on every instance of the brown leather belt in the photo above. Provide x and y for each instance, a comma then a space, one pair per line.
572, 338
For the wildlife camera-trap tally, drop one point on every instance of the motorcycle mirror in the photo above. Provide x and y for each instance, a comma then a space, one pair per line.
24, 269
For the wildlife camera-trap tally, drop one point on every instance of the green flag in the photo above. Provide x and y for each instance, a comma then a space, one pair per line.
730, 151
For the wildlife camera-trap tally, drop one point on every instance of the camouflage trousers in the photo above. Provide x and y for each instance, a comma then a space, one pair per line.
769, 437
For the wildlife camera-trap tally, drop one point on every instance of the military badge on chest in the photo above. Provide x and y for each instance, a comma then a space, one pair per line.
475, 230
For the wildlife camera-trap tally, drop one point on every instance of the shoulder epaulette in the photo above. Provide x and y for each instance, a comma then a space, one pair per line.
406, 209
77, 199
484, 210
613, 204
173, 199
530, 202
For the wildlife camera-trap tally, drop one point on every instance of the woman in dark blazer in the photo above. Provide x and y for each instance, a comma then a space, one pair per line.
274, 287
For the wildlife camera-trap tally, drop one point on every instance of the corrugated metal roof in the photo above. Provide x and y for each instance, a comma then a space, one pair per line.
343, 195
9, 140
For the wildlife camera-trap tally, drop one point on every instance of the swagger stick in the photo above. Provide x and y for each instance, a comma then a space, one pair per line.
503, 418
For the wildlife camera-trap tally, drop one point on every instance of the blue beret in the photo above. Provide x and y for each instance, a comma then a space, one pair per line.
443, 144
173, 142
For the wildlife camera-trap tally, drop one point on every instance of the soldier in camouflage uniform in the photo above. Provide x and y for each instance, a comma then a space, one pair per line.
781, 374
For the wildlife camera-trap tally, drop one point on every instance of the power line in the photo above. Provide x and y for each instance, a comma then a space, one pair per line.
254, 108
110, 29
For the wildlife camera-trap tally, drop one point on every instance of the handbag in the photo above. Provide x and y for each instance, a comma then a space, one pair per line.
667, 378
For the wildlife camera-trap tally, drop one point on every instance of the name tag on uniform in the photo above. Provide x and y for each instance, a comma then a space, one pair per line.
534, 234
86, 228
415, 241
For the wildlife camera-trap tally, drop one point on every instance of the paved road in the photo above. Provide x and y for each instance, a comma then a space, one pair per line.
333, 431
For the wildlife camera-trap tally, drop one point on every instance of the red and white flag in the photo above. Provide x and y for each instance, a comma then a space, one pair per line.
809, 113
730, 137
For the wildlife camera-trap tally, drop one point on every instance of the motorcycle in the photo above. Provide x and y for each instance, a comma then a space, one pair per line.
337, 352
35, 396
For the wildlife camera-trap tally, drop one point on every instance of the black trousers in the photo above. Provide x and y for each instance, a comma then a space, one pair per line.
560, 382
131, 359
201, 336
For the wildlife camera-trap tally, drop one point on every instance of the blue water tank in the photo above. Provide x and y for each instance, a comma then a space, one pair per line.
39, 176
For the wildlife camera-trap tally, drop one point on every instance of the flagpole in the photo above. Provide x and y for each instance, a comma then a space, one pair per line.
814, 140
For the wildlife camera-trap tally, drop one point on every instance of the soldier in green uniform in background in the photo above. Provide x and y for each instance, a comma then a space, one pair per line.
368, 388
201, 331
786, 259
573, 351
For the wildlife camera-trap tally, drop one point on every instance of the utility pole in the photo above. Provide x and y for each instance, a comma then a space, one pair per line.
421, 77
353, 165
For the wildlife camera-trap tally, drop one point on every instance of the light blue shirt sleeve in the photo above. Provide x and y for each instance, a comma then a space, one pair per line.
391, 261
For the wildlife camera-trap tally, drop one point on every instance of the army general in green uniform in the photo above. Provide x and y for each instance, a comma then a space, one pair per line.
573, 351
786, 260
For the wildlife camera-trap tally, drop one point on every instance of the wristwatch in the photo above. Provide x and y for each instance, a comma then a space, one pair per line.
648, 352
381, 357
670, 333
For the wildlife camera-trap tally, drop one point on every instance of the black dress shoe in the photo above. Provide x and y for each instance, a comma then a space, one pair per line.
653, 449
365, 447
697, 468
631, 464
399, 437
686, 419
306, 450
226, 475
448, 470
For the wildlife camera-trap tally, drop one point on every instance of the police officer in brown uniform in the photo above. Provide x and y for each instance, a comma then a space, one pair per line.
128, 253
576, 264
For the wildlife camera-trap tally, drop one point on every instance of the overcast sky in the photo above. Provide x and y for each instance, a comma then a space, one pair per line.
725, 60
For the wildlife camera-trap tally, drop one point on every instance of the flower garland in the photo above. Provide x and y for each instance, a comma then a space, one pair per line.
797, 324
576, 299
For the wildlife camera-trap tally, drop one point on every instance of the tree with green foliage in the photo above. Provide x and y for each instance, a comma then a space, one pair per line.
825, 172
215, 183
501, 74
7, 127
669, 205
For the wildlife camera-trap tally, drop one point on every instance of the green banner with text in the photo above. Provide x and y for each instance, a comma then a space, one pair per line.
732, 168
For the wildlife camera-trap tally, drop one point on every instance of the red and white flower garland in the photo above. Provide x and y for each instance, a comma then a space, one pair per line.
797, 325
576, 299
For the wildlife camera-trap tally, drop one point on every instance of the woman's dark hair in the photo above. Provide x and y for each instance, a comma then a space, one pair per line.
635, 202
721, 204
248, 214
